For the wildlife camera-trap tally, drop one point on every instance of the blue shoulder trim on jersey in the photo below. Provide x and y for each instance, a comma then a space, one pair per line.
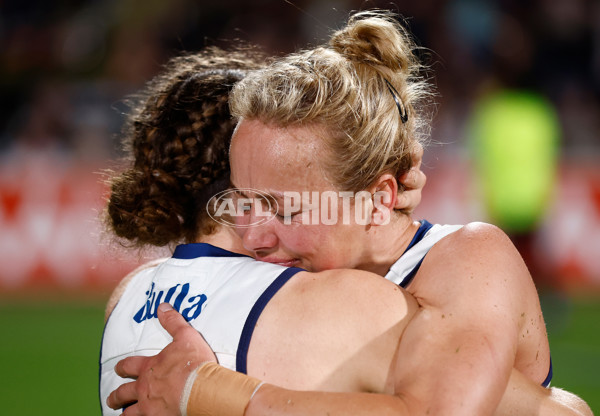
195, 250
546, 383
259, 306
423, 228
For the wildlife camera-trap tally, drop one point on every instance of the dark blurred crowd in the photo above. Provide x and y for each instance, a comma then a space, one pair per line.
66, 65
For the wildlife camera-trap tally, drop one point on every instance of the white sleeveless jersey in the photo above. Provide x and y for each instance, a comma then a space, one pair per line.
405, 268
220, 293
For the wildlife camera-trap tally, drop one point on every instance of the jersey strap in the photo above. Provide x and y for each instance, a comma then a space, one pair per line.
259, 306
406, 267
421, 232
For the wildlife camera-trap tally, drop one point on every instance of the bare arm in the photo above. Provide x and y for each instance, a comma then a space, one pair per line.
159, 391
159, 383
277, 401
522, 397
457, 354
334, 333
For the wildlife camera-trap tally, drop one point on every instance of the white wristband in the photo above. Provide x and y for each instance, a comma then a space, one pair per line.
187, 390
255, 390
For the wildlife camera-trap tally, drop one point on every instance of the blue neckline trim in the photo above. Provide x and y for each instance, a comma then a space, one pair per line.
195, 250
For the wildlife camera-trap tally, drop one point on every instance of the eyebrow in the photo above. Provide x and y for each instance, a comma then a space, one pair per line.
273, 194
260, 195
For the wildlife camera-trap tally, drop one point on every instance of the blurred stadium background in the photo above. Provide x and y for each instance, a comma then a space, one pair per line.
519, 89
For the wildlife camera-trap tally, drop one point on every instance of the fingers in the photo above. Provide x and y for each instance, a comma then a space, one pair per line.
170, 319
408, 200
413, 182
181, 330
417, 154
414, 179
132, 410
131, 367
125, 394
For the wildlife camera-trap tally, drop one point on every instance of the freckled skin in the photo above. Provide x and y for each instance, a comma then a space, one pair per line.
259, 154
475, 274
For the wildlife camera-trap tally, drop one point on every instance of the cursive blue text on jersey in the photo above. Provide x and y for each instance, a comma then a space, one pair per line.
178, 296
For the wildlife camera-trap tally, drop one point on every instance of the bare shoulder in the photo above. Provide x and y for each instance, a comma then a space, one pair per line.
347, 291
476, 246
487, 249
338, 329
118, 291
478, 236
477, 261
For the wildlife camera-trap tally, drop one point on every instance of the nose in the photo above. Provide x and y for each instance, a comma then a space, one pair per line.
259, 238
258, 234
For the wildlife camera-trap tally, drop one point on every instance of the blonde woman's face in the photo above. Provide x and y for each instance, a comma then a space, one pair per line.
292, 215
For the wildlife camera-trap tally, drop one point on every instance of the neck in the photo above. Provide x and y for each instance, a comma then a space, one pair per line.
225, 238
387, 243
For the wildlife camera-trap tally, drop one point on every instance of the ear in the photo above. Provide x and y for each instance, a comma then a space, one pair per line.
385, 196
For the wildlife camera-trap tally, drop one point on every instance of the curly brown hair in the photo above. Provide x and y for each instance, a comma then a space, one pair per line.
177, 142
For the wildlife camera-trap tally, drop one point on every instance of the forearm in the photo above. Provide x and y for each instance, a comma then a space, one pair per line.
217, 390
465, 378
271, 400
457, 372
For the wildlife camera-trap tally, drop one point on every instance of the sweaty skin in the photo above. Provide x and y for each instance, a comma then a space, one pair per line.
480, 314
448, 336
160, 379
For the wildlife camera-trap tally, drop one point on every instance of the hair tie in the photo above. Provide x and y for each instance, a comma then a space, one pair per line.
396, 96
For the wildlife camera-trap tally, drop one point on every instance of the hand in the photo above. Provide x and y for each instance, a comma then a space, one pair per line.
413, 182
160, 379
